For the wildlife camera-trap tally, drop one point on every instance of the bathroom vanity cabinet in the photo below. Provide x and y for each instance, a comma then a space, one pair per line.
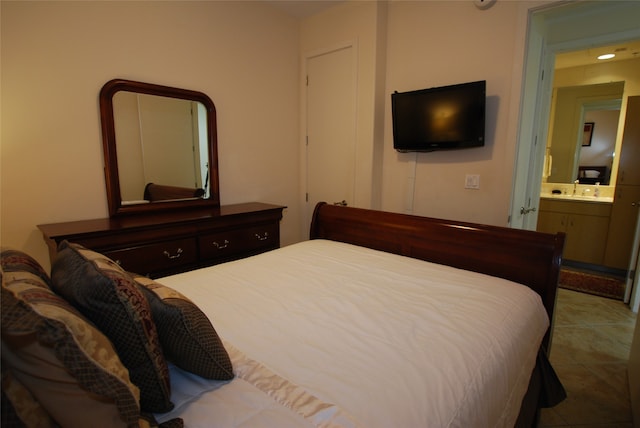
586, 225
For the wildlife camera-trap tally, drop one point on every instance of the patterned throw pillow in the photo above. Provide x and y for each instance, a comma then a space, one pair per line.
19, 406
55, 362
110, 298
186, 334
17, 265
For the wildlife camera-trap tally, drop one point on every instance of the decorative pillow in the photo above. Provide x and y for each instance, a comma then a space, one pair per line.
110, 298
59, 357
19, 407
187, 337
17, 265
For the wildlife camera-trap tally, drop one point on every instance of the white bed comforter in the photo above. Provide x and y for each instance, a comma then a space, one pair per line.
364, 338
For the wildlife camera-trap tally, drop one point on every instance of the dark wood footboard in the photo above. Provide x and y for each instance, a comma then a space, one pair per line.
527, 257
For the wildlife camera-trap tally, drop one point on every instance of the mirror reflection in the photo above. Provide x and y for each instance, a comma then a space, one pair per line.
583, 132
162, 147
597, 151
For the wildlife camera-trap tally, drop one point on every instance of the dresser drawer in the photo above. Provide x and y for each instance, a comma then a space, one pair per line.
161, 244
229, 243
157, 257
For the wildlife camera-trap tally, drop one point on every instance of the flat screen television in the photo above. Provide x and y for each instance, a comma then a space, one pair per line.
442, 118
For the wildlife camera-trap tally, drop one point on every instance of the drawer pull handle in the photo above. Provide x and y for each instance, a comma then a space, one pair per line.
222, 246
262, 237
173, 256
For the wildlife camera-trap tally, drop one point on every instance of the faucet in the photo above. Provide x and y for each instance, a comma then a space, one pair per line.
575, 184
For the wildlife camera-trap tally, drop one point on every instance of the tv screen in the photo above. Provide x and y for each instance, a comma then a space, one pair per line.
443, 118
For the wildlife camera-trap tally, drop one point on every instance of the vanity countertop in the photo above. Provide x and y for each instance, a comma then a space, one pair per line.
578, 198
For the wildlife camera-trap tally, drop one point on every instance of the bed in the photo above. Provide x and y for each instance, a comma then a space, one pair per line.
158, 192
593, 175
380, 319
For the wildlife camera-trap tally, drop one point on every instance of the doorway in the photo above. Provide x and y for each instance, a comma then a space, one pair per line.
599, 231
552, 30
330, 128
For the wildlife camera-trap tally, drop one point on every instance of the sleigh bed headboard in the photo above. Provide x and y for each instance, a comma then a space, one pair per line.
523, 256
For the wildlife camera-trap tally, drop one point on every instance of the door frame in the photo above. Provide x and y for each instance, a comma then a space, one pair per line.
544, 23
533, 126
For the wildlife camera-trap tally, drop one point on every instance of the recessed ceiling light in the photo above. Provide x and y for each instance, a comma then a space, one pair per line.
606, 56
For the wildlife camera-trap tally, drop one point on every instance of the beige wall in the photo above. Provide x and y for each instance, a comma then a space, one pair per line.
617, 71
57, 55
354, 23
247, 57
413, 45
603, 138
441, 43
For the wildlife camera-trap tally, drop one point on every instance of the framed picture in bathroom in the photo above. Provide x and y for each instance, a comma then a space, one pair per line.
588, 133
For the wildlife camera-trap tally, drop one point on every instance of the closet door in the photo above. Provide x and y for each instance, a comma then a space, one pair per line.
624, 215
331, 125
628, 171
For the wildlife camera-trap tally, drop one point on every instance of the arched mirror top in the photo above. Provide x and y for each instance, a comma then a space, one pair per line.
160, 148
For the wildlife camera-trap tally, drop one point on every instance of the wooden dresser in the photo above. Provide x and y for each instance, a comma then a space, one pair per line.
171, 242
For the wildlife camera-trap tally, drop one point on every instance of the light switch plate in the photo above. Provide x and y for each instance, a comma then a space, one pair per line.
472, 181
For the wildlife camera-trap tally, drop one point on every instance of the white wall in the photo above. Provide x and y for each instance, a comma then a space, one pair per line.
414, 45
354, 23
441, 43
57, 55
246, 56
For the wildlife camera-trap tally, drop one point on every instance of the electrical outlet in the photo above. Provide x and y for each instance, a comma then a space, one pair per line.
472, 181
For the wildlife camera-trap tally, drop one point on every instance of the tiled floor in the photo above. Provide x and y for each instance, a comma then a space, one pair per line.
589, 351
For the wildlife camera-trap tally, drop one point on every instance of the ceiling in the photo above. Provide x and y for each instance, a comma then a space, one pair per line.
623, 51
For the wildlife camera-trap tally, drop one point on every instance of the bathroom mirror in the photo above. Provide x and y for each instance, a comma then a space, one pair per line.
577, 110
160, 147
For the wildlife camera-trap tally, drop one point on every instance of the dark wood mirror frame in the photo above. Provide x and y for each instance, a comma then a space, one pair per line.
116, 207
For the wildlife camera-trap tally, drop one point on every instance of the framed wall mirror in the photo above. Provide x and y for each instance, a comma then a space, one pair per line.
160, 147
569, 158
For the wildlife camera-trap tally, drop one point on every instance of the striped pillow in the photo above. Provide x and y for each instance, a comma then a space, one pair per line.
109, 297
55, 359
